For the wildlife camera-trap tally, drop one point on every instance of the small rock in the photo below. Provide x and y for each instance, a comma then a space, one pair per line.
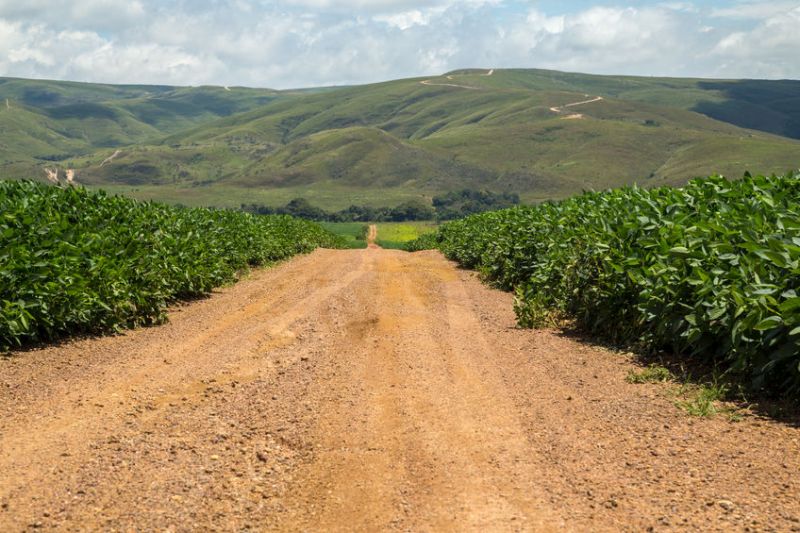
214, 457
261, 456
726, 504
611, 504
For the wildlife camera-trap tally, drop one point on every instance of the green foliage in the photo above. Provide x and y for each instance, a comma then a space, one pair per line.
354, 234
458, 204
300, 207
74, 261
427, 241
711, 270
448, 206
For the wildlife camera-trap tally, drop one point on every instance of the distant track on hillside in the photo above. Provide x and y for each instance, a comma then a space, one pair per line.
560, 109
450, 77
110, 158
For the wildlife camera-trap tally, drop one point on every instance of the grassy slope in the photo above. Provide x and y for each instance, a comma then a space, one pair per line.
44, 121
396, 140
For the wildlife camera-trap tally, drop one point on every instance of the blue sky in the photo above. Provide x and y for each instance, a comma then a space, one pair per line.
301, 43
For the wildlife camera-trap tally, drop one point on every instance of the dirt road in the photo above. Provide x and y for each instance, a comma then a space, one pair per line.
561, 109
450, 77
110, 158
369, 390
372, 234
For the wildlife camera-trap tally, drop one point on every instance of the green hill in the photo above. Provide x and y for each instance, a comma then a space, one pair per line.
46, 121
513, 130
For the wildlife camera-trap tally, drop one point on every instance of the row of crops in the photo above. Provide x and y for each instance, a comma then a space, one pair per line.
711, 270
74, 261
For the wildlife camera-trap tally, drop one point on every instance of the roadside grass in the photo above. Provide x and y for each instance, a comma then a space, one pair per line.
707, 399
354, 233
696, 397
652, 374
394, 235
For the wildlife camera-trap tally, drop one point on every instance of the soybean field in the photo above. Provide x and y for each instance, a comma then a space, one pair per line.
710, 270
74, 261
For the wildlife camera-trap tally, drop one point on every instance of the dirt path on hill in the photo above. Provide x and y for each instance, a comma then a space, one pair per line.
110, 158
369, 390
450, 77
560, 109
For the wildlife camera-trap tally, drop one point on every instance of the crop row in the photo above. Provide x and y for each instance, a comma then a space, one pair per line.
711, 270
74, 261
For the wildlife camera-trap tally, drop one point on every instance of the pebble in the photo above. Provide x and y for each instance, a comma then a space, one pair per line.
726, 504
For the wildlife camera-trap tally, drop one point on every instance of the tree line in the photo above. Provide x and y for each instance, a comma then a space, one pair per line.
452, 205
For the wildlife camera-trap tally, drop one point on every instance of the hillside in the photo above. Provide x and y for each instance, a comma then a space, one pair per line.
543, 134
47, 121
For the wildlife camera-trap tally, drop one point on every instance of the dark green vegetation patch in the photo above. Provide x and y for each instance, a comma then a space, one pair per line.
73, 261
711, 270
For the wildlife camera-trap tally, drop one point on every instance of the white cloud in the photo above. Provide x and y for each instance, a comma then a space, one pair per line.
293, 43
756, 10
776, 54
405, 19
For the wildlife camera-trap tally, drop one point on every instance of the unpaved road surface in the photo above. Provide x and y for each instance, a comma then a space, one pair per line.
369, 390
372, 234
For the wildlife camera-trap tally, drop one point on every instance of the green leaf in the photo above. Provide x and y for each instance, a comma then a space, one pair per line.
768, 323
792, 304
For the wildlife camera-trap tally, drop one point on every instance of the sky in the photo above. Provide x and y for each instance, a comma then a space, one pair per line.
305, 43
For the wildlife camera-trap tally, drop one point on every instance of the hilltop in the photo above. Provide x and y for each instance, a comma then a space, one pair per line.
543, 134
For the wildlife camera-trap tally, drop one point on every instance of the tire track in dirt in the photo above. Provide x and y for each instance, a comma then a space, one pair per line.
364, 390
430, 441
372, 234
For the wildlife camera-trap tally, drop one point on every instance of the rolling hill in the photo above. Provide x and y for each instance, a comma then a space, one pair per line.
45, 121
543, 134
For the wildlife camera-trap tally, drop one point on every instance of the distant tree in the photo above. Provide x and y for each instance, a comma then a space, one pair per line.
457, 204
412, 210
302, 208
